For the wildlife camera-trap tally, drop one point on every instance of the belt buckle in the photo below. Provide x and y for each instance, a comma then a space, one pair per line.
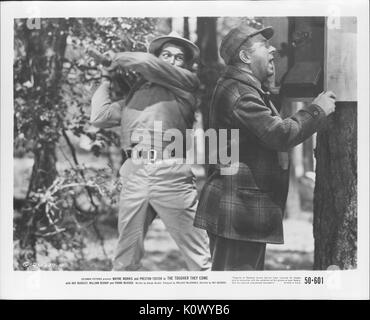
152, 155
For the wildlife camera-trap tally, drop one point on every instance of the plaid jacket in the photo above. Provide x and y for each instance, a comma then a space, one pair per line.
250, 204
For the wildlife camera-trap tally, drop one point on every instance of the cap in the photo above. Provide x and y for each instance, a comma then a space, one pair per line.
237, 36
158, 42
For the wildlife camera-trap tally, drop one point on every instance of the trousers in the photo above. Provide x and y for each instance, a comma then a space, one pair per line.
236, 255
166, 189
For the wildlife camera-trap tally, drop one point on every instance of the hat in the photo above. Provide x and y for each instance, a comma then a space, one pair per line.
237, 36
158, 43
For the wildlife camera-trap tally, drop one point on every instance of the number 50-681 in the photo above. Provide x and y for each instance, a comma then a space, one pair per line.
313, 280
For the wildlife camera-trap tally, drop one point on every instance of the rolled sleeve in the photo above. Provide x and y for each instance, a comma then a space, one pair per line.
104, 112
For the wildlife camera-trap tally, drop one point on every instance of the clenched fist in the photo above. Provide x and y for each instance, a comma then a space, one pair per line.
326, 101
108, 71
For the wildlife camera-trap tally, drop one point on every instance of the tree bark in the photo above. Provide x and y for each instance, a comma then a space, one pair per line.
45, 47
335, 195
44, 168
207, 39
186, 28
209, 68
45, 51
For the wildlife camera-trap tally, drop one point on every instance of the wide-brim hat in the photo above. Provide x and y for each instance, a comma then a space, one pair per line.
237, 36
156, 45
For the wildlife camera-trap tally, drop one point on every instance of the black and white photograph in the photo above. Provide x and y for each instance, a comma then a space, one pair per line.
183, 144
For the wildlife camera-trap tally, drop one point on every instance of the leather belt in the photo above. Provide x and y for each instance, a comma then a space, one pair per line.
151, 155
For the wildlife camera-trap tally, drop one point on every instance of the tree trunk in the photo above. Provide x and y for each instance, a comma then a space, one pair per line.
44, 167
186, 28
209, 69
335, 196
45, 48
207, 39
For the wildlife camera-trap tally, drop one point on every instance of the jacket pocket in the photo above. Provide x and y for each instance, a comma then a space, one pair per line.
255, 213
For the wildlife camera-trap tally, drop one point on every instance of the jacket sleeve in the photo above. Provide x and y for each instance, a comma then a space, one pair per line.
277, 133
157, 71
104, 113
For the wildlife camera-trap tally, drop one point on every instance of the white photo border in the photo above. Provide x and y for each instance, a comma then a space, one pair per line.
348, 284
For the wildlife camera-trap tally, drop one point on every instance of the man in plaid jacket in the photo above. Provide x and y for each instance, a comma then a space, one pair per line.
244, 211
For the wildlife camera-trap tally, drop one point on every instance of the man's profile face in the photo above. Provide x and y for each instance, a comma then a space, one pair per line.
262, 58
173, 54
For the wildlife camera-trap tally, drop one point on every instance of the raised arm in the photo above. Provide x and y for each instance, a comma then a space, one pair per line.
157, 71
104, 112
